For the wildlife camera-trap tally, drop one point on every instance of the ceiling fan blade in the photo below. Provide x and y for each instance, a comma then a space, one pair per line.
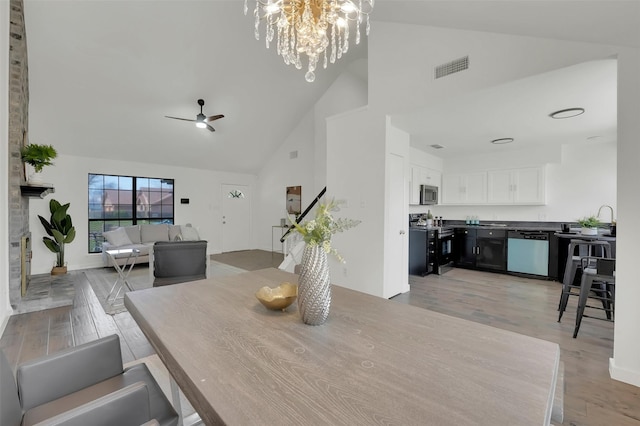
211, 129
213, 117
178, 118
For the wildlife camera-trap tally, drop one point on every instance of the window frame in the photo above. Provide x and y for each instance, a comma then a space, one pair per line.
130, 217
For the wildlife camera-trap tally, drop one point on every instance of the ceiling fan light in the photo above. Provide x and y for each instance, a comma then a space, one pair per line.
201, 124
566, 113
502, 141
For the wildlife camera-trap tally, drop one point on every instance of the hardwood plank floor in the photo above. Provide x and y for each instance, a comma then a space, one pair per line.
512, 303
529, 307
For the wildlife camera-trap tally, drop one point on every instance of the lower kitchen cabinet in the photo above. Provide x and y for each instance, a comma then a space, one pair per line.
421, 251
481, 249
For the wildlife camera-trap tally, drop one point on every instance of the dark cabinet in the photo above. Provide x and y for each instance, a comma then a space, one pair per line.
422, 251
481, 249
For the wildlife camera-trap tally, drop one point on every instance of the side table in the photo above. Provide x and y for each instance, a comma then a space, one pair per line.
129, 256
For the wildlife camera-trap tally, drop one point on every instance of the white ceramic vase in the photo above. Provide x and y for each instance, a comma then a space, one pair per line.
589, 231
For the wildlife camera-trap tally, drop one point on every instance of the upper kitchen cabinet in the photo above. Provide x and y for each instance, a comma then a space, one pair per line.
464, 188
421, 175
516, 186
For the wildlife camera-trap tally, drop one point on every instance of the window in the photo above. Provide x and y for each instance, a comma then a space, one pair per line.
126, 200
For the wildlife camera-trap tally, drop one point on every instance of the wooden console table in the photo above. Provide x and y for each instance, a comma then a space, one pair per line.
374, 361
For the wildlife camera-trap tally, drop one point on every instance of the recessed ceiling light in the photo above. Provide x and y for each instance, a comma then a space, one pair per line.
594, 138
502, 141
436, 146
567, 113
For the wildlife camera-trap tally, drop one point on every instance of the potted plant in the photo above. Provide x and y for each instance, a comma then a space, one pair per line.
61, 231
429, 218
37, 156
589, 225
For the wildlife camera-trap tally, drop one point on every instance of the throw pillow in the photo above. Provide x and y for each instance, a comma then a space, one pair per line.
118, 237
189, 233
174, 231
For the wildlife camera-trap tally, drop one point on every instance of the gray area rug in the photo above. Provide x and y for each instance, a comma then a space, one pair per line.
102, 280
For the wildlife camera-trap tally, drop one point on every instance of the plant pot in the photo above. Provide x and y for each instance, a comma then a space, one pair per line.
589, 231
59, 270
33, 177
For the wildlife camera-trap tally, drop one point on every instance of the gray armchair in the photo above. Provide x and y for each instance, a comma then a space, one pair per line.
179, 261
82, 385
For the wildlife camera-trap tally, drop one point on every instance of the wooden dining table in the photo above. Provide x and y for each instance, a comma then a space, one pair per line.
375, 361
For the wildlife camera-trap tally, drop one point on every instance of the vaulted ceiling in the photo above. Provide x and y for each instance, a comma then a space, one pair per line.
103, 74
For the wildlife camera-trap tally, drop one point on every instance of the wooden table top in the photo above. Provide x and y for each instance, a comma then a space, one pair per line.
374, 361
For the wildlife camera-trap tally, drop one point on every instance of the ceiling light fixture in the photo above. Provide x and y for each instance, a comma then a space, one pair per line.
310, 27
567, 113
502, 141
201, 124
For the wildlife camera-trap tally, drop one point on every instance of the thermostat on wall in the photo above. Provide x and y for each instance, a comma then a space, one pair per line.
184, 201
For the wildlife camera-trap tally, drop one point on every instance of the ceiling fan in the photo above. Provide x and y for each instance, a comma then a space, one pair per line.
201, 120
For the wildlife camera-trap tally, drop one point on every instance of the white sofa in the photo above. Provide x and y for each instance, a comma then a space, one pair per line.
142, 237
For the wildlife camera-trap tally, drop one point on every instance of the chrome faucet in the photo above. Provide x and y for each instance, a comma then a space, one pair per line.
613, 222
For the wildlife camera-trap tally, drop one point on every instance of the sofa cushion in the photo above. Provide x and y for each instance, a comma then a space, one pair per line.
117, 237
134, 233
153, 233
189, 233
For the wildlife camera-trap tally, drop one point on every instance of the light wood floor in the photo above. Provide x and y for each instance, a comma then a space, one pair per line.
512, 303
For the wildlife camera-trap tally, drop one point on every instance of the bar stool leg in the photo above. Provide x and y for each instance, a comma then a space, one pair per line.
585, 288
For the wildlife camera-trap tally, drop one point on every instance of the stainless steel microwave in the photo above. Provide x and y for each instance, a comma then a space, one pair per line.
428, 194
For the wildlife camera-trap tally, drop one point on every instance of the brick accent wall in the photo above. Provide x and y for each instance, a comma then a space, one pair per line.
18, 135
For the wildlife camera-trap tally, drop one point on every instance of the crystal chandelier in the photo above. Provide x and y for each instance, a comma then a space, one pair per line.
310, 27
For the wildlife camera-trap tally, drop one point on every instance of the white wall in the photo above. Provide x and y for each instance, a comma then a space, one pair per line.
309, 168
5, 307
69, 176
578, 182
355, 173
625, 364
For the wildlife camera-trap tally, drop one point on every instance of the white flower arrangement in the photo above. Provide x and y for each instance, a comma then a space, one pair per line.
318, 231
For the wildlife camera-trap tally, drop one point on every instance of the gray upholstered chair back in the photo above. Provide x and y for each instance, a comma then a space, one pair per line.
10, 410
179, 261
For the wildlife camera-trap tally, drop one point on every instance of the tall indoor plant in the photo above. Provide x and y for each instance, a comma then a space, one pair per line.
314, 285
61, 231
37, 156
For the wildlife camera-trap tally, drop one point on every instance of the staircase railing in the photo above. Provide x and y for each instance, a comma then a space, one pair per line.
304, 213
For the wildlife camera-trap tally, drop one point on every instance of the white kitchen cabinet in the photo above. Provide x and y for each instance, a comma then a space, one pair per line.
464, 188
516, 186
422, 176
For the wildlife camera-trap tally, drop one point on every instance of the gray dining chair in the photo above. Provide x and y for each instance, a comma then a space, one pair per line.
82, 385
179, 261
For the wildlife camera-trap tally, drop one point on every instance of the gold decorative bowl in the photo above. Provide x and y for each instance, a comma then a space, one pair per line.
278, 298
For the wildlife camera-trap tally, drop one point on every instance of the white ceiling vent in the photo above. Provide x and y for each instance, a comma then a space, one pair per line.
436, 146
452, 67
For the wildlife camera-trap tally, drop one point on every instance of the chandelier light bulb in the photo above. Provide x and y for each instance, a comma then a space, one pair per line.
310, 27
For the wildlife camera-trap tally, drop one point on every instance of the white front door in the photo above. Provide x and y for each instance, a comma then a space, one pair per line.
236, 217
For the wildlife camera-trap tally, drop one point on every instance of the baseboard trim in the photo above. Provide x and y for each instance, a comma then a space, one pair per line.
623, 375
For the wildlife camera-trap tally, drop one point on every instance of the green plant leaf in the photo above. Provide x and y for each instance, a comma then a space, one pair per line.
71, 235
46, 225
51, 245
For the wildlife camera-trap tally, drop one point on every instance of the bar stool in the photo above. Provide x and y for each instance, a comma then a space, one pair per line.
585, 247
598, 277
